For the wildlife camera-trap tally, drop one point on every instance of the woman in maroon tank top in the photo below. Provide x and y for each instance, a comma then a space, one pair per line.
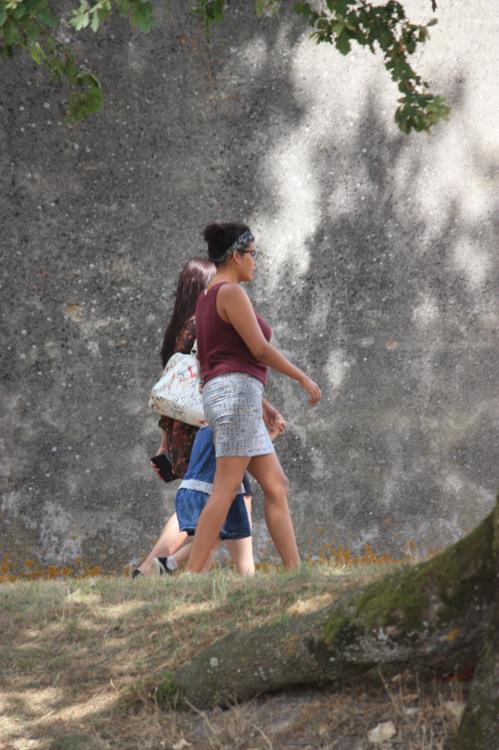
234, 350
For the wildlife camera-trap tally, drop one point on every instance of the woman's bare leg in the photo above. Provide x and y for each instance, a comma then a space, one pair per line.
211, 557
269, 474
170, 540
248, 501
241, 552
182, 554
226, 484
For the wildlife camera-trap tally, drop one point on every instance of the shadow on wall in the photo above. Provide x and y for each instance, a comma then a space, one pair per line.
388, 298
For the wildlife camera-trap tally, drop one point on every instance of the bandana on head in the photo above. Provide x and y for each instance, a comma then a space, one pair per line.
244, 239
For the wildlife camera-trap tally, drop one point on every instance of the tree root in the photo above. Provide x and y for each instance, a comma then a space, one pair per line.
434, 615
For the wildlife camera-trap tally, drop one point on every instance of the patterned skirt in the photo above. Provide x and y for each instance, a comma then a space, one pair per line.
233, 406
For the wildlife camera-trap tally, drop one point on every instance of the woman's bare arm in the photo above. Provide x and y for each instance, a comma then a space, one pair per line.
236, 306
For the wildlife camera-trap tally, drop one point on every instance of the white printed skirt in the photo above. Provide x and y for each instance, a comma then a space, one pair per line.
233, 407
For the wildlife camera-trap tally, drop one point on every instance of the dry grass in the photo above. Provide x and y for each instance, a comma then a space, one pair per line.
80, 660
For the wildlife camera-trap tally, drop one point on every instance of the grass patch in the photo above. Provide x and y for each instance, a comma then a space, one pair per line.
81, 659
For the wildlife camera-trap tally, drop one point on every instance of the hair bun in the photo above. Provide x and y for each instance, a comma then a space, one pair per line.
213, 232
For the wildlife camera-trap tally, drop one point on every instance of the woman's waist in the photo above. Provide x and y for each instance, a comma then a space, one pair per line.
225, 363
231, 379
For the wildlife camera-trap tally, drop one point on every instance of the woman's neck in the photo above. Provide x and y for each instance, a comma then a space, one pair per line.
227, 274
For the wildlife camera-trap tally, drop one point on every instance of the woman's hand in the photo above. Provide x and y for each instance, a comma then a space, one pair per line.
313, 390
277, 428
274, 421
271, 416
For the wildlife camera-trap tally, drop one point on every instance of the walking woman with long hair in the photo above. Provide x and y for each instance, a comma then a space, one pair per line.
235, 352
180, 334
177, 437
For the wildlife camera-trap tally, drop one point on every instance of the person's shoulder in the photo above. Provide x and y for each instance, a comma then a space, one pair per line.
232, 291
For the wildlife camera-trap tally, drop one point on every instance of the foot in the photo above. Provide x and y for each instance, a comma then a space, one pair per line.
161, 566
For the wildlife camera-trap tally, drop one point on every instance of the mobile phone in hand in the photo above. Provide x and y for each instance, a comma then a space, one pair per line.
164, 466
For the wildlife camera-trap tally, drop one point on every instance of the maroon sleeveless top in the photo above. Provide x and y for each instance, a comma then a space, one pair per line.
220, 347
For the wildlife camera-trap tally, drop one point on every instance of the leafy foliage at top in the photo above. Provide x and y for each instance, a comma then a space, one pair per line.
382, 28
32, 26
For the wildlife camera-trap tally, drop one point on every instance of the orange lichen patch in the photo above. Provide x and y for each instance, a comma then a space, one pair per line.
328, 554
452, 634
55, 572
5, 565
342, 557
10, 572
96, 570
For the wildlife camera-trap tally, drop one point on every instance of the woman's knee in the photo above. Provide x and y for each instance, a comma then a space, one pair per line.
278, 489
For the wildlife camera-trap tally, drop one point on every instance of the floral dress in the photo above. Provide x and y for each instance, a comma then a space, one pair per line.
179, 435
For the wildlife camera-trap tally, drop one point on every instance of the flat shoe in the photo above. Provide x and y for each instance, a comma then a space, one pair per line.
160, 567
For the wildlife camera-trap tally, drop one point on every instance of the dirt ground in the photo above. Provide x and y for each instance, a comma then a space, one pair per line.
80, 661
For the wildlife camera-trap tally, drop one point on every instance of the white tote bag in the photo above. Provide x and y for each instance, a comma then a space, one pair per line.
177, 393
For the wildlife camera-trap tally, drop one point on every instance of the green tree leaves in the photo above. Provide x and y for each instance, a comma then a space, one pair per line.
11, 33
380, 27
383, 28
209, 12
26, 25
139, 13
420, 112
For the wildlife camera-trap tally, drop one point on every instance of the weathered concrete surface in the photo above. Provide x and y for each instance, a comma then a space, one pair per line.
378, 271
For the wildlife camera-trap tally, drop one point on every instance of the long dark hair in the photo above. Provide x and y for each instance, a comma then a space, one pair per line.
194, 278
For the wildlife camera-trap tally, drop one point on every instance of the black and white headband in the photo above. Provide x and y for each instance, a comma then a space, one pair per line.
244, 239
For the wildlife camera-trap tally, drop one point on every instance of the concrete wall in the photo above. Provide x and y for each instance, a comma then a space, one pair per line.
378, 271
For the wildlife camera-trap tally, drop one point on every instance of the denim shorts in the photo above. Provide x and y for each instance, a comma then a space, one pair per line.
190, 502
